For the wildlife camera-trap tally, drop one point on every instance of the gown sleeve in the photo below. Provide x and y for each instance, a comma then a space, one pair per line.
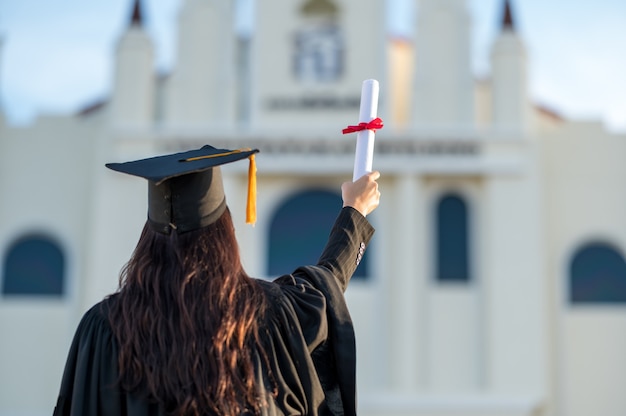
346, 245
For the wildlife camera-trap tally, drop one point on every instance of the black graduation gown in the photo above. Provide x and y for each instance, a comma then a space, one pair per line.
308, 335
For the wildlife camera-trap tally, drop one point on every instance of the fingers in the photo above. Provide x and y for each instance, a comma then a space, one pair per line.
374, 175
371, 176
363, 194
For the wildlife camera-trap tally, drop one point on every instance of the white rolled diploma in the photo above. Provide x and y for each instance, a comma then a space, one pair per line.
364, 154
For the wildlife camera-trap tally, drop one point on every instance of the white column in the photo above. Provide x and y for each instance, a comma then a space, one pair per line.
405, 282
515, 286
133, 103
1, 103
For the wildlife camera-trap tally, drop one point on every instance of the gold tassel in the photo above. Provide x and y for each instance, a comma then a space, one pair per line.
251, 205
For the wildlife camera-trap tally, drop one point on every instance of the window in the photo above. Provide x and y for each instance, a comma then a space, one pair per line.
34, 265
318, 43
318, 54
299, 231
452, 240
597, 275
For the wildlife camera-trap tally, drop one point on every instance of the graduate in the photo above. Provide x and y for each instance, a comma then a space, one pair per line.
188, 332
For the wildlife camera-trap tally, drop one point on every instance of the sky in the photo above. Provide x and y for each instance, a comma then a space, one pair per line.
56, 56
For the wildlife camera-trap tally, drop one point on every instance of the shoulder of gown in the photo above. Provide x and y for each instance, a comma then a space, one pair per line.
90, 364
89, 386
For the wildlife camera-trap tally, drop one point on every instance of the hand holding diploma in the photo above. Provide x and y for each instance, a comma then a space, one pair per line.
366, 129
362, 194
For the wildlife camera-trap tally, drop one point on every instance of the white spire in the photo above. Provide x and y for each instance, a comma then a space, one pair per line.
134, 83
1, 56
509, 88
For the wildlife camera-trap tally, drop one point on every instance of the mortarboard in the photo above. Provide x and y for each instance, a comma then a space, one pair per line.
185, 190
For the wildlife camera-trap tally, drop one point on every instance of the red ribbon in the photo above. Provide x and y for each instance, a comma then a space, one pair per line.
375, 124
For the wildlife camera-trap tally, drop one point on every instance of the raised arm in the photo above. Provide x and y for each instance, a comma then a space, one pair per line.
351, 232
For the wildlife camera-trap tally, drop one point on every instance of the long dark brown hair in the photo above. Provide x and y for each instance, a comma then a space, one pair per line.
186, 322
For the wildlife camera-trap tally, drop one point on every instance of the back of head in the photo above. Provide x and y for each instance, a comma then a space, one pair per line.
206, 259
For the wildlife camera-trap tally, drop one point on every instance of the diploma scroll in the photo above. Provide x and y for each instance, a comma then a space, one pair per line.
364, 153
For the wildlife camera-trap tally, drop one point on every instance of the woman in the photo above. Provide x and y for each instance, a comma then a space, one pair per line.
190, 333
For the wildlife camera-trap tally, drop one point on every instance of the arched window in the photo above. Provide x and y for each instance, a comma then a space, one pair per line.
597, 275
299, 231
452, 240
34, 265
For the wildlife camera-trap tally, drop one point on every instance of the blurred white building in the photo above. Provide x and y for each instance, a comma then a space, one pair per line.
496, 282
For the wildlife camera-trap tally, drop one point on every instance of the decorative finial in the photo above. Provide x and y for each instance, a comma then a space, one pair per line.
507, 21
136, 19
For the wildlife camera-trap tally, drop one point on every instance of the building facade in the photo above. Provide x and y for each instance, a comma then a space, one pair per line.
495, 284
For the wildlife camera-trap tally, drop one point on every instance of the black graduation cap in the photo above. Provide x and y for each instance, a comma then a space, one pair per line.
185, 190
